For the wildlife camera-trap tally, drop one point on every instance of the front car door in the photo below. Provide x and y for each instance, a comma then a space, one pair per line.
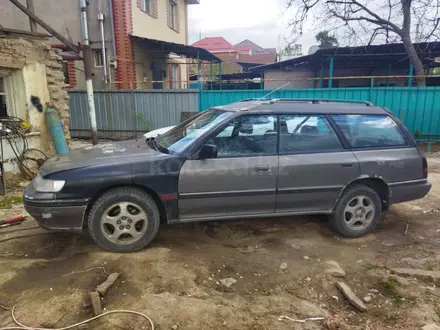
241, 180
313, 165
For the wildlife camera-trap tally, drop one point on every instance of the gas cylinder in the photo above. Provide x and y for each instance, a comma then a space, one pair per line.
56, 131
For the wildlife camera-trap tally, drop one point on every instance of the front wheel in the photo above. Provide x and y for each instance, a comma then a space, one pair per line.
357, 212
124, 220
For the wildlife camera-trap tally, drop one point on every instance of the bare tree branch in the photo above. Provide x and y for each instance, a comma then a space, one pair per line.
368, 21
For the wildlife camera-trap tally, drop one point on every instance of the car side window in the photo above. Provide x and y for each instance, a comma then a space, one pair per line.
369, 131
251, 135
307, 133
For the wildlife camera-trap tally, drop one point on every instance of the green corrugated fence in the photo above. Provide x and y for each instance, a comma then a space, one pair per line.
417, 107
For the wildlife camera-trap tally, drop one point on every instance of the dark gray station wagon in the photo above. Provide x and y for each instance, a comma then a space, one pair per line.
255, 158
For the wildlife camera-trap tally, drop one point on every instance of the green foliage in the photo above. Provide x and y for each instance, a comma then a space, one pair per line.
292, 50
371, 267
144, 123
326, 40
8, 201
390, 289
436, 71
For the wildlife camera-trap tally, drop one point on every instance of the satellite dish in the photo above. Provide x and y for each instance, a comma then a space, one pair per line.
313, 50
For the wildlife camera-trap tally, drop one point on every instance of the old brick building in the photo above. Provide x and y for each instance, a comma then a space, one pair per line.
30, 67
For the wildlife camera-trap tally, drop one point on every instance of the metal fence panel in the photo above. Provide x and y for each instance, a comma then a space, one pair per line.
122, 113
418, 107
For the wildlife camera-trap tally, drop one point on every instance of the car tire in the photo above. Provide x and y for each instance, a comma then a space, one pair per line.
357, 212
124, 220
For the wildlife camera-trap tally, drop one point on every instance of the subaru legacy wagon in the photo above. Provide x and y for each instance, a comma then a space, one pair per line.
255, 158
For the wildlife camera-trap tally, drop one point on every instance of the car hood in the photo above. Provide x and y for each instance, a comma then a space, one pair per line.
156, 132
101, 155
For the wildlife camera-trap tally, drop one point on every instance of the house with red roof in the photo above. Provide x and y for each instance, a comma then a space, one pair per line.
237, 57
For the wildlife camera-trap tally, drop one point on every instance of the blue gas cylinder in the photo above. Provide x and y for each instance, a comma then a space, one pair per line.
56, 131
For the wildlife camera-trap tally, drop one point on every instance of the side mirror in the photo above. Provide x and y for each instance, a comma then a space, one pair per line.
208, 151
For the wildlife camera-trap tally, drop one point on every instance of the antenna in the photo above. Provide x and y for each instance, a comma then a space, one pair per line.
265, 96
275, 90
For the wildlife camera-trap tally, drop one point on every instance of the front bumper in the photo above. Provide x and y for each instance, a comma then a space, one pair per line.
58, 215
408, 192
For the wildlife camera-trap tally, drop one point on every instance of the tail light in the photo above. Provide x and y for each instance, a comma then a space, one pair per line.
425, 167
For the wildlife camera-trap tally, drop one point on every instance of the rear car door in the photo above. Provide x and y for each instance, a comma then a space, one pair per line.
382, 148
313, 165
241, 180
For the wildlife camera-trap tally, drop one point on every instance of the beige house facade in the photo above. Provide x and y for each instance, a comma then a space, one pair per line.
130, 64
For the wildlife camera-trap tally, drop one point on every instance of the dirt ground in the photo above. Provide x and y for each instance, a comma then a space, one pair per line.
176, 281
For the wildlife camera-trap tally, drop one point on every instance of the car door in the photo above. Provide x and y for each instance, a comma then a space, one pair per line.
313, 165
382, 148
241, 180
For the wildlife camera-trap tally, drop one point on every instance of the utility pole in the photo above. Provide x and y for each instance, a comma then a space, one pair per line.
30, 6
88, 59
87, 56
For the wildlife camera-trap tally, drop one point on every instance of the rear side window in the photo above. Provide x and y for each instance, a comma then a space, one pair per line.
307, 133
369, 131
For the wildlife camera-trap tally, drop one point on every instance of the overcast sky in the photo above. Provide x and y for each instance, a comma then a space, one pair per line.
261, 21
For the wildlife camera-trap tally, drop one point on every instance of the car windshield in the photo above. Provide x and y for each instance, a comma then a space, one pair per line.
181, 136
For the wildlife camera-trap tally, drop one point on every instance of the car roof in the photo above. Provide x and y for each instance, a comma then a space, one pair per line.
304, 106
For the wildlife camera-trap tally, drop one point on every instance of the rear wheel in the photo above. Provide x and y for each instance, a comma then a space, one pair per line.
124, 220
357, 212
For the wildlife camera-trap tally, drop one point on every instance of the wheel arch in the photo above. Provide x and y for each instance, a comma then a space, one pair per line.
375, 183
148, 190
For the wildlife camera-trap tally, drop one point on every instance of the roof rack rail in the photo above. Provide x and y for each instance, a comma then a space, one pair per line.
314, 101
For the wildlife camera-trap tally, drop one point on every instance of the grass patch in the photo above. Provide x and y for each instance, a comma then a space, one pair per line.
371, 267
390, 289
8, 201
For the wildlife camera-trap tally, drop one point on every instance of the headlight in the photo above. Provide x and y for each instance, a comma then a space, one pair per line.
47, 186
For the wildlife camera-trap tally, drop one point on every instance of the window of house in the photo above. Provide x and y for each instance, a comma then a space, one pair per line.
247, 136
146, 6
175, 76
173, 14
98, 58
307, 133
369, 131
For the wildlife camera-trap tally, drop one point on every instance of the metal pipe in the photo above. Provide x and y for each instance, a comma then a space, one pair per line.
410, 74
88, 59
85, 28
104, 53
321, 75
220, 71
330, 81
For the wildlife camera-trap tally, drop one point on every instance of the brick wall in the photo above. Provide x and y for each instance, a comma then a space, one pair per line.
71, 73
123, 25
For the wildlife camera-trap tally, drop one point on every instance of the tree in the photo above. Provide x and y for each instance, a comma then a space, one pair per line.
365, 21
326, 40
292, 50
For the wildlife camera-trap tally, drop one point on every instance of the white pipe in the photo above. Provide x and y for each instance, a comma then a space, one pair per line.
104, 54
88, 59
90, 100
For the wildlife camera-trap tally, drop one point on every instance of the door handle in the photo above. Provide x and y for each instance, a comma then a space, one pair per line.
262, 168
347, 165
